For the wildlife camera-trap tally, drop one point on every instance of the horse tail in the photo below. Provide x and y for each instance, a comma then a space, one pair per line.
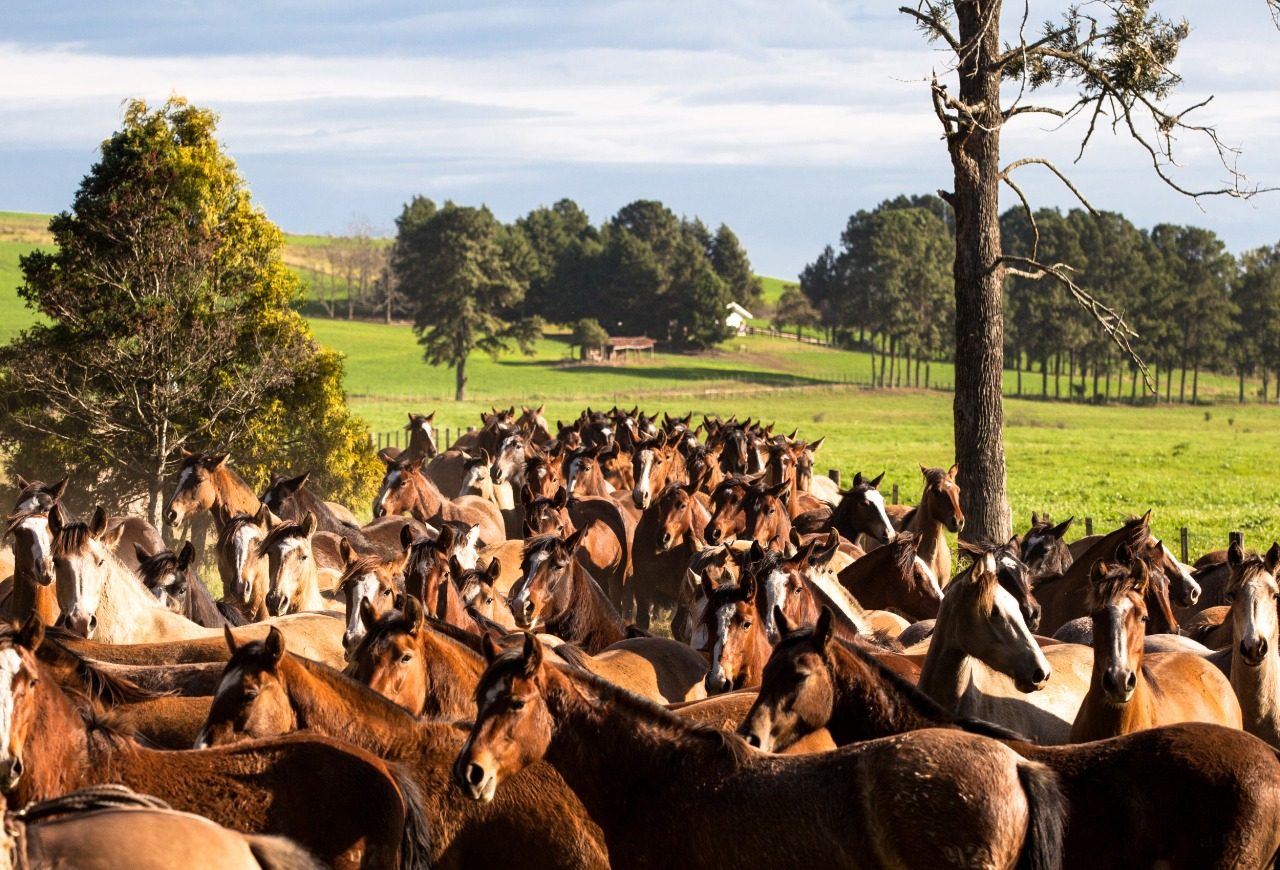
1047, 808
280, 853
415, 843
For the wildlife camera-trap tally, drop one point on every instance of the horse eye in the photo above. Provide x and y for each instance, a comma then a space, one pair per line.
517, 705
99, 563
33, 682
746, 623
1144, 620
386, 591
250, 694
406, 658
402, 483
1231, 596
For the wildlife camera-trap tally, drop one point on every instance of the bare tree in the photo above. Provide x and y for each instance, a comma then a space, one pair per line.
1117, 55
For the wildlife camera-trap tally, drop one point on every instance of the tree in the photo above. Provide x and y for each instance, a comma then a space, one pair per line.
1257, 295
734, 268
588, 334
169, 325
457, 266
1119, 57
794, 310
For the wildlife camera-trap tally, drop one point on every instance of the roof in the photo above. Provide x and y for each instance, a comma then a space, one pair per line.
739, 310
640, 342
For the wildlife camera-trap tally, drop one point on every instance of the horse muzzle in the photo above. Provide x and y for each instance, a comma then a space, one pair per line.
1118, 684
474, 781
1253, 651
78, 622
277, 604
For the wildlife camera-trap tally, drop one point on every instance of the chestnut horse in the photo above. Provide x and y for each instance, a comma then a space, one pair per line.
241, 565
1129, 690
539, 823
666, 538
938, 511
766, 517
557, 595
728, 512
406, 488
33, 577
206, 481
345, 806
894, 578
1129, 796
812, 810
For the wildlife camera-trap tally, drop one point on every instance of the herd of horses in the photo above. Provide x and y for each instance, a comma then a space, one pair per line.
626, 642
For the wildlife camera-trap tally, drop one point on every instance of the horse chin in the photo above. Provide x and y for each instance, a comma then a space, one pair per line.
1028, 686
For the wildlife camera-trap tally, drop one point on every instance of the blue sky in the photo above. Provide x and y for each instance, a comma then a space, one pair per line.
777, 118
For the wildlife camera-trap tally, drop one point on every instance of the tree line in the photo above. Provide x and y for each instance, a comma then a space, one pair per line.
1194, 306
470, 282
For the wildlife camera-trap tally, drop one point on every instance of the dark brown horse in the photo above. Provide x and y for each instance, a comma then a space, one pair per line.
666, 538
344, 805
1043, 549
267, 691
1128, 795
736, 638
429, 572
172, 579
861, 512
815, 810
767, 516
206, 481
894, 578
728, 511
557, 595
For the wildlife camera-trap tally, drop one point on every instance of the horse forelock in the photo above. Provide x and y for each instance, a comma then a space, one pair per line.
280, 534
72, 539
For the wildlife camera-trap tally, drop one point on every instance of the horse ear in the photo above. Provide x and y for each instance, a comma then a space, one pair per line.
431, 418
140, 552
58, 490
1235, 554
857, 478
406, 537
532, 654
367, 617
344, 550
572, 542
1035, 520
216, 461
388, 460
924, 472
494, 571
186, 556
485, 458
489, 648
953, 471
875, 482
296, 483
263, 516
1140, 577
785, 626
31, 635
794, 537
413, 614
21, 481
1061, 528
229, 638
1146, 519
527, 496
561, 498
1099, 572
1272, 559
824, 629
57, 519
274, 645
756, 553
309, 524
98, 523
814, 445
455, 567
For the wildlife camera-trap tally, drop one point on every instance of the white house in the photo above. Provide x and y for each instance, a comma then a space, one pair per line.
737, 318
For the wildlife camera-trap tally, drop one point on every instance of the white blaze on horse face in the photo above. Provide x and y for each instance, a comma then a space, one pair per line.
243, 549
391, 479
1184, 573
520, 600
467, 552
41, 541
723, 617
79, 586
364, 588
876, 500
1118, 638
644, 491
574, 467
10, 665
775, 592
932, 578
1013, 631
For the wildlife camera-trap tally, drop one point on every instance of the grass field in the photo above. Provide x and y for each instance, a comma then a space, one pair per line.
1202, 467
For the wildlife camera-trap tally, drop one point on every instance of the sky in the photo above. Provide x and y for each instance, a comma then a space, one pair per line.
779, 119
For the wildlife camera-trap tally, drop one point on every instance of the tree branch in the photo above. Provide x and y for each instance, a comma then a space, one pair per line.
932, 23
1004, 176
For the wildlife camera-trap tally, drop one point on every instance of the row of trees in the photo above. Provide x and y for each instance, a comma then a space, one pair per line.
1193, 305
474, 283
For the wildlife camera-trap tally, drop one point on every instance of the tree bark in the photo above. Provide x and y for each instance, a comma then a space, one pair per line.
460, 393
1182, 382
978, 407
1195, 383
1044, 377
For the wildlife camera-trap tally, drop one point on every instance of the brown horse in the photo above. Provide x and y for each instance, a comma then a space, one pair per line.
728, 517
655, 462
894, 578
557, 595
583, 472
370, 581
1043, 549
429, 572
861, 514
667, 536
342, 804
422, 664
786, 458
938, 511
241, 565
267, 691
1130, 691
767, 517
736, 638
172, 579
406, 488
33, 577
1128, 795
206, 481
422, 439
816, 810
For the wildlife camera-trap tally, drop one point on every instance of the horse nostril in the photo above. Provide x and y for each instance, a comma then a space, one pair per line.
1040, 676
93, 623
171, 516
1131, 682
753, 740
475, 773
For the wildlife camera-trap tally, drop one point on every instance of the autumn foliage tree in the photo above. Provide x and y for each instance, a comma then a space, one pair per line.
167, 323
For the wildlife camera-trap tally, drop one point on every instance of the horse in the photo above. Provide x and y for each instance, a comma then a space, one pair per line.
1043, 549
983, 660
367, 581
345, 806
667, 536
557, 595
478, 591
530, 710
767, 520
860, 514
422, 439
113, 828
241, 565
894, 578
290, 499
206, 481
703, 467
127, 531
728, 510
429, 571
33, 576
1128, 796
939, 510
293, 578
1255, 648
406, 488
582, 470
172, 579
784, 465
1130, 691
267, 691
655, 462
737, 642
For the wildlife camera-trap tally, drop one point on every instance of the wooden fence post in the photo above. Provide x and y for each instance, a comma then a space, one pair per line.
895, 494
834, 474
1235, 538
1088, 526
1184, 545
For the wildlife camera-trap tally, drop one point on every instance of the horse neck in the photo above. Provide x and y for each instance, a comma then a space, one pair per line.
590, 619
428, 501
200, 607
645, 750
931, 543
56, 751
867, 704
453, 671
309, 597
128, 613
337, 706
234, 494
449, 604
30, 595
948, 671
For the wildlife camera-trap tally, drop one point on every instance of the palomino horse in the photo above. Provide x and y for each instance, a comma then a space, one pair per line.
242, 566
557, 595
112, 828
1129, 796
345, 806
667, 536
687, 773
938, 511
293, 577
206, 481
33, 577
1255, 648
983, 660
406, 488
1043, 549
420, 663
1130, 691
267, 691
894, 578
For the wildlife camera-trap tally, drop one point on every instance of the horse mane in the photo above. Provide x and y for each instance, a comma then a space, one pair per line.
537, 543
96, 683
1119, 579
156, 564
1246, 570
232, 526
16, 519
361, 565
71, 538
